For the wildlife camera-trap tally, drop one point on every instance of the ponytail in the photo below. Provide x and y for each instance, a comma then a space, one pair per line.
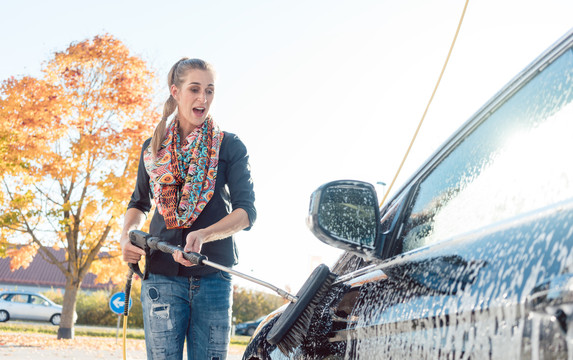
159, 133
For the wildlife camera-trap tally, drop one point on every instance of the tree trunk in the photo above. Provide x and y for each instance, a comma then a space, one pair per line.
66, 329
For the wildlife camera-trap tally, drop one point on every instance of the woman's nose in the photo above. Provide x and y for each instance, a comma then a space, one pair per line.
203, 97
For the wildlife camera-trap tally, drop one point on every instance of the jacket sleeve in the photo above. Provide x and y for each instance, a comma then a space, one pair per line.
141, 196
239, 180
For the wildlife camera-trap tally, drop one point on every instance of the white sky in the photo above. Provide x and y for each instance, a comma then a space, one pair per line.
318, 90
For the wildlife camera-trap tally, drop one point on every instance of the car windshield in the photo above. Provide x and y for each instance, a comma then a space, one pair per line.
515, 162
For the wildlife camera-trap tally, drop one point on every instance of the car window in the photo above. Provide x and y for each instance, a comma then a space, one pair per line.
19, 298
515, 161
36, 300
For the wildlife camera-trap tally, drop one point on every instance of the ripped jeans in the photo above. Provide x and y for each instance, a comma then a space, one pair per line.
198, 310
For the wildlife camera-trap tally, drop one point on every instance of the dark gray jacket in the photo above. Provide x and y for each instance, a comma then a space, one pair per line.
233, 190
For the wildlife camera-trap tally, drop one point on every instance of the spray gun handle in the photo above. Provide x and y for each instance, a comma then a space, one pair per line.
139, 239
194, 258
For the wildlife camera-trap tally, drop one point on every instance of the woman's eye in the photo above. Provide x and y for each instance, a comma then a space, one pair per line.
210, 91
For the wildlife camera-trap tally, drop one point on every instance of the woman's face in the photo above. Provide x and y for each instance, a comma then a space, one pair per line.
194, 97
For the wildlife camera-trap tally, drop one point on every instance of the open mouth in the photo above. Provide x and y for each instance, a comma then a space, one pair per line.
199, 111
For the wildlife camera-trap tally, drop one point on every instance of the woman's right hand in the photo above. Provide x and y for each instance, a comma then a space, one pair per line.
131, 253
133, 219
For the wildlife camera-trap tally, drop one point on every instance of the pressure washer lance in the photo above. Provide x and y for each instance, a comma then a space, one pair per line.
291, 327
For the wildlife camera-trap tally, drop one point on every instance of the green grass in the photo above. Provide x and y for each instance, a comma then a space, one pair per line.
82, 330
79, 330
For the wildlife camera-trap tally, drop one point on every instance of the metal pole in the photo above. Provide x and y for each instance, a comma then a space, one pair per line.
281, 292
117, 331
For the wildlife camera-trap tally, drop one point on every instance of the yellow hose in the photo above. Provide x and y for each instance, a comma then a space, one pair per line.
124, 337
427, 106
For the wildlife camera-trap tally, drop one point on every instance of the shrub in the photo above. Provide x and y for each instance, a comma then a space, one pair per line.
93, 307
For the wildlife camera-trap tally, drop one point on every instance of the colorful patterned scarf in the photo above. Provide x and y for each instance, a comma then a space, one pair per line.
182, 178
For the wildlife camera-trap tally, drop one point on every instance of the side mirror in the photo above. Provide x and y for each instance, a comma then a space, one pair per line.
345, 214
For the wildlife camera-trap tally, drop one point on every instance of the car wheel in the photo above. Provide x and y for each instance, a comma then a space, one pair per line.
4, 316
55, 319
251, 331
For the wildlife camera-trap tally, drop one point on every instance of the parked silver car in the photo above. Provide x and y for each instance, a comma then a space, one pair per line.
472, 258
20, 305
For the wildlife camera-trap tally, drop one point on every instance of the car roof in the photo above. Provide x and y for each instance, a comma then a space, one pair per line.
19, 292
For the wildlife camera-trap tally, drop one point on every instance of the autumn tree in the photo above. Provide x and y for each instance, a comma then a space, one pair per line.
69, 145
250, 304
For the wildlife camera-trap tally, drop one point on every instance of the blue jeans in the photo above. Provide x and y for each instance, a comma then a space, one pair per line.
198, 310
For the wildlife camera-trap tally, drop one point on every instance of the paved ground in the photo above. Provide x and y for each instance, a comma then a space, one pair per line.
40, 346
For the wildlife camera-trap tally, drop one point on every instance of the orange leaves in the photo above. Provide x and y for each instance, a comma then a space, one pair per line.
102, 71
21, 257
32, 104
31, 111
109, 268
18, 209
72, 77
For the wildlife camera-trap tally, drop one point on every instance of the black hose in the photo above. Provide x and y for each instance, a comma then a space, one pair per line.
127, 292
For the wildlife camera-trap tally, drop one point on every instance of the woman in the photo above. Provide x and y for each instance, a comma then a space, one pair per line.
199, 179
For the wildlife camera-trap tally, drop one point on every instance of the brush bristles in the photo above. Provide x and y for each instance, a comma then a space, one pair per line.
294, 337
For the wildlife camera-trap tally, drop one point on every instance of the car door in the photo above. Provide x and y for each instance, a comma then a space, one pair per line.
17, 306
40, 309
480, 232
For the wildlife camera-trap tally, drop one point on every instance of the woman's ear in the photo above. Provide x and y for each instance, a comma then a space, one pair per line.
174, 92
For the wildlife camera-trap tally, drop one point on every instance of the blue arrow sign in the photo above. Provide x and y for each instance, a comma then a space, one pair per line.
117, 301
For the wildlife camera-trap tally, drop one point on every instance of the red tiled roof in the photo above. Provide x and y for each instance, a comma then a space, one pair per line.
42, 273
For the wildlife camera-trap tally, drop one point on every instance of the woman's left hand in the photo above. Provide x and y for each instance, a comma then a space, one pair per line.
236, 221
194, 242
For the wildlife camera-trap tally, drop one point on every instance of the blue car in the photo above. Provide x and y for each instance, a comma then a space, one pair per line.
248, 328
472, 257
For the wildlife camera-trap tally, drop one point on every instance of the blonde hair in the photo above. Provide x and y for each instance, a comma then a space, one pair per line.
175, 77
